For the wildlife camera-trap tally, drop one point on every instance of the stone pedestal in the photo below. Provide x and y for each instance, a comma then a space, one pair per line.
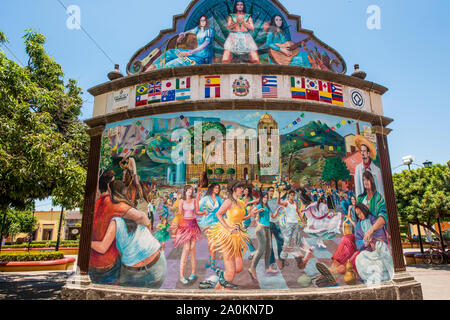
403, 287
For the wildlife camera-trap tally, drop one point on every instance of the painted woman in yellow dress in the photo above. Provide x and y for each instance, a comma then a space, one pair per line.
229, 235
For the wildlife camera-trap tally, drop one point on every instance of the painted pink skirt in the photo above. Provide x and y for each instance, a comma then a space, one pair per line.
187, 230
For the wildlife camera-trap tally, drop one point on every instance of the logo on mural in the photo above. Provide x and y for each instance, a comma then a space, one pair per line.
241, 87
224, 32
357, 99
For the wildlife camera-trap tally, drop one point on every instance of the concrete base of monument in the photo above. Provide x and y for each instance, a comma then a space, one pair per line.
402, 287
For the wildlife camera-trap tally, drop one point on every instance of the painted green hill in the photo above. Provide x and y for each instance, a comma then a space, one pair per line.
323, 135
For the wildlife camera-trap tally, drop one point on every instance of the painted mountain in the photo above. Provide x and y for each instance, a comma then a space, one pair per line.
304, 150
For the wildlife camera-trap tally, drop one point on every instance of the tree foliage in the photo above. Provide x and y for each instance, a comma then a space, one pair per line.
19, 222
422, 195
43, 145
105, 154
335, 169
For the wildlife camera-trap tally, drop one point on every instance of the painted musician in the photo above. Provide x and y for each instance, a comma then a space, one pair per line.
276, 38
203, 54
240, 41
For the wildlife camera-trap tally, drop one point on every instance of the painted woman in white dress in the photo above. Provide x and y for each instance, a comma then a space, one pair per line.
321, 222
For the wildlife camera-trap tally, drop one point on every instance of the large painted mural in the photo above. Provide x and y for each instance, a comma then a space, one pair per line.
223, 32
240, 200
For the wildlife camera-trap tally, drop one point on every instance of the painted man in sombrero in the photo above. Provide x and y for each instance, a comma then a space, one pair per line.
368, 153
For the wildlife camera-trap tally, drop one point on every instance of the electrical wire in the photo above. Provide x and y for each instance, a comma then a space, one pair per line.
90, 37
10, 51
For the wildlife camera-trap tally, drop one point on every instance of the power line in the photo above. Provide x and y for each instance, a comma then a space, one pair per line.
10, 51
90, 37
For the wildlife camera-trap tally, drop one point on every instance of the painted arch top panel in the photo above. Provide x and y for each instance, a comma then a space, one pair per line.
224, 32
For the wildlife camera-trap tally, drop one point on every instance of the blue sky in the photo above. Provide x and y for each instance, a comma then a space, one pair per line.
409, 55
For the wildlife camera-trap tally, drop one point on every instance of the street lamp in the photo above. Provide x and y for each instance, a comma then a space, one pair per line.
427, 164
408, 160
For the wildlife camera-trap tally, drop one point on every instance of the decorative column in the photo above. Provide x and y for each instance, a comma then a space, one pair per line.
389, 197
89, 199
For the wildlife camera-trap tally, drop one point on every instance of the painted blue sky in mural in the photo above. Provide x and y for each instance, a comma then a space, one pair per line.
250, 119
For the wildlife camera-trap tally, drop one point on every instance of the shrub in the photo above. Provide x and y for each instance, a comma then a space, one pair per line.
231, 171
43, 245
30, 256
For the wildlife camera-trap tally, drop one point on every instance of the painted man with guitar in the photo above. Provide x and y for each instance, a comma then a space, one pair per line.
285, 52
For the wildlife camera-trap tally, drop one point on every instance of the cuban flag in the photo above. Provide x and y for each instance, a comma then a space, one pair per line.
269, 86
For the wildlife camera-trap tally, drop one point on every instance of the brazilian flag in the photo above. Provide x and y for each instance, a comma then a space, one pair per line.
142, 89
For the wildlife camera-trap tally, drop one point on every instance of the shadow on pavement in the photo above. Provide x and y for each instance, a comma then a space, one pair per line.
34, 286
441, 267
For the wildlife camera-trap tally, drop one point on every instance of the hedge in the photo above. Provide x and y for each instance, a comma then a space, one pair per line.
30, 256
33, 245
42, 244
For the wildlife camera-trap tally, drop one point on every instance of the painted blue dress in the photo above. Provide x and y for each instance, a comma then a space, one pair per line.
301, 59
207, 203
203, 54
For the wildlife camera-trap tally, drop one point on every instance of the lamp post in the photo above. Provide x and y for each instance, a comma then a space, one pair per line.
58, 239
408, 160
427, 164
30, 237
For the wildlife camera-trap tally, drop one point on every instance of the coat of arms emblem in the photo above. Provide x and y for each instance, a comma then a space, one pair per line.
241, 87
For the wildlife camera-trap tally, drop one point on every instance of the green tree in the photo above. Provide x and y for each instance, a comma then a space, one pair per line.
197, 139
231, 171
334, 169
105, 154
43, 144
219, 171
19, 222
422, 195
291, 149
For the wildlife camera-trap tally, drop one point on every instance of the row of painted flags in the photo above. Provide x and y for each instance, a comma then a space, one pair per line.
180, 89
316, 90
163, 91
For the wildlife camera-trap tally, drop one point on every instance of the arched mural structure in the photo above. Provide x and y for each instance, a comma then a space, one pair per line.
304, 133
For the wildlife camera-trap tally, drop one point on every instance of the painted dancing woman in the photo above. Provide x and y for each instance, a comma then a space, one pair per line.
229, 236
188, 232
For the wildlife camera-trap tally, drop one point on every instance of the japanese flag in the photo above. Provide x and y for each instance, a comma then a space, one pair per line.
168, 85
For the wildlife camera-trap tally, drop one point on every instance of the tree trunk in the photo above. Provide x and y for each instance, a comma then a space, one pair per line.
420, 237
59, 229
440, 235
289, 167
426, 226
1, 230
